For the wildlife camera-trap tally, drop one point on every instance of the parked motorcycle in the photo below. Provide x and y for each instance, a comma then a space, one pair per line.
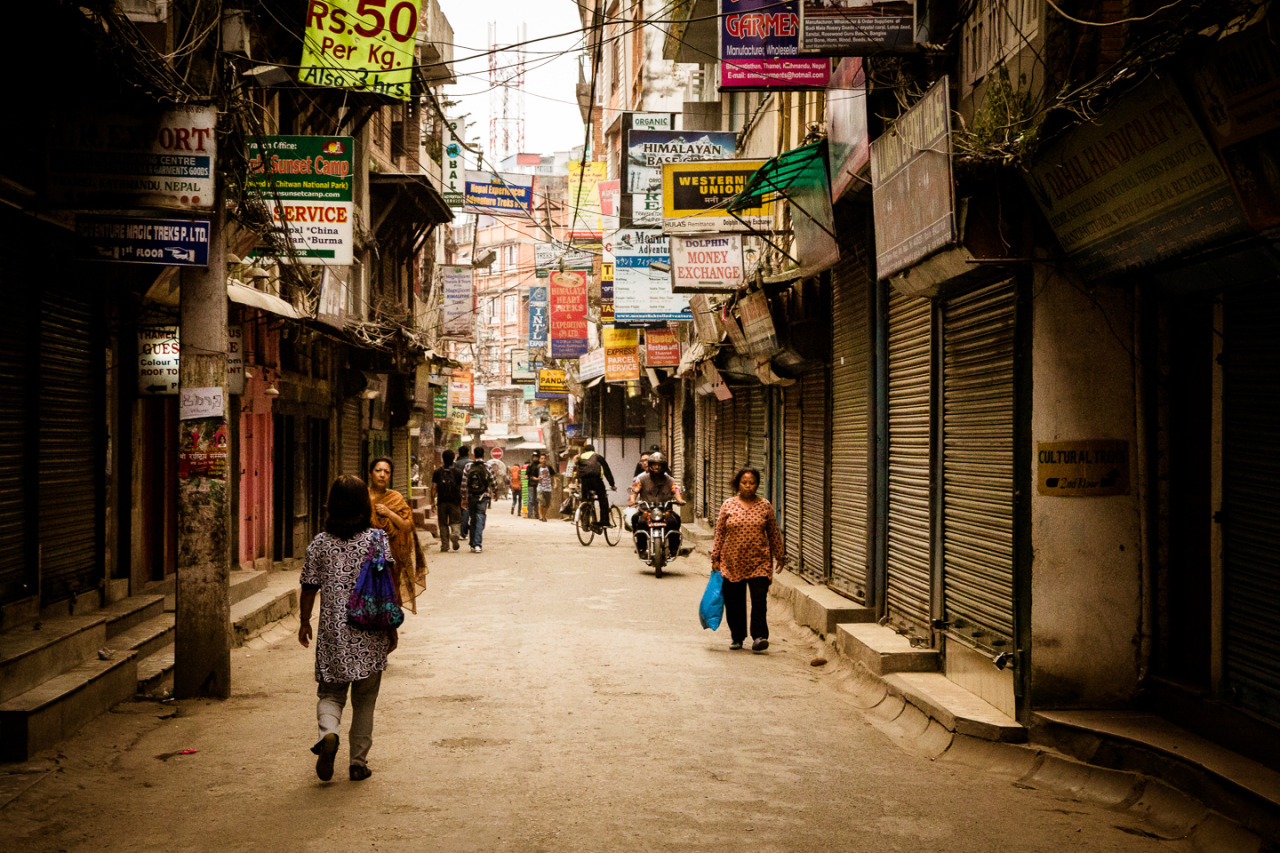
657, 544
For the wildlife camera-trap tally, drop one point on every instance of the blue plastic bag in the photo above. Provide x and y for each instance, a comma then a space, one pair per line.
712, 606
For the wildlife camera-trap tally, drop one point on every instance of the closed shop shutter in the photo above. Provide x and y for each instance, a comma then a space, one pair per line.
677, 434
813, 474
703, 434
793, 461
16, 568
726, 438
850, 411
908, 570
977, 466
70, 458
350, 461
757, 418
1251, 506
402, 470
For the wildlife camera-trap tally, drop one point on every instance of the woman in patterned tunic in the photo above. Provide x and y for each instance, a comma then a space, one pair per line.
346, 656
747, 547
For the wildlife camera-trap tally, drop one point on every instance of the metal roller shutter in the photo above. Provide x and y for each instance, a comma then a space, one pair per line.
350, 462
757, 417
701, 497
850, 440
1251, 507
677, 434
977, 466
401, 471
908, 569
70, 459
726, 433
793, 460
813, 474
16, 568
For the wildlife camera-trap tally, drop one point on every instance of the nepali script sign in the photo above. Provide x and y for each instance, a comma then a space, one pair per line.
365, 45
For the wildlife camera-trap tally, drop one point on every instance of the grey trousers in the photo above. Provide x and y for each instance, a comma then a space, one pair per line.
332, 697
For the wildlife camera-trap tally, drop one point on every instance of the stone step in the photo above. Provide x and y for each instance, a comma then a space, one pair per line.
818, 607
146, 638
131, 611
34, 652
955, 708
250, 616
882, 650
56, 708
243, 583
155, 672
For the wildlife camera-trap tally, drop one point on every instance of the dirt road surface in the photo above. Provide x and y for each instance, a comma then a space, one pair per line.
549, 697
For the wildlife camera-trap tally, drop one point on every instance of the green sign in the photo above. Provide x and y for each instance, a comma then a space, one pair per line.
306, 184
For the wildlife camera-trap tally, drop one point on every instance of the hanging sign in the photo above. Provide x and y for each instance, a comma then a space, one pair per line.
591, 365
848, 145
760, 47
642, 294
661, 348
552, 384
584, 205
461, 388
172, 242
568, 293
757, 324
707, 264
607, 269
539, 321
649, 149
621, 355
452, 168
305, 182
235, 359
498, 193
694, 196
158, 360
865, 28
459, 302
365, 45
522, 368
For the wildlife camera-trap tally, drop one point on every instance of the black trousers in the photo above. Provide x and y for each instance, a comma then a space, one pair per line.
735, 608
595, 483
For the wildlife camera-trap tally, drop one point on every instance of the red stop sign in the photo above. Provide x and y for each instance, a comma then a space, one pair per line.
496, 452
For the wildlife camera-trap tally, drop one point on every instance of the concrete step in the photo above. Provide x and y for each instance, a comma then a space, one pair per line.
243, 583
131, 611
883, 651
34, 652
155, 672
818, 607
955, 708
146, 638
57, 708
278, 600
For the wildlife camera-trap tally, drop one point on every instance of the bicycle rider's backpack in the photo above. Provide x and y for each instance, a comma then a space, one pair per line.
589, 466
477, 479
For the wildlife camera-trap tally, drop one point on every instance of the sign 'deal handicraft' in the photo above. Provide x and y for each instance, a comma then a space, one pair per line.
365, 45
306, 184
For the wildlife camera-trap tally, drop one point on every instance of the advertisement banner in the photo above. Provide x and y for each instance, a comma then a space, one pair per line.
646, 209
760, 48
452, 168
694, 196
610, 204
642, 294
607, 269
649, 150
553, 256
522, 368
591, 365
439, 406
710, 264
497, 194
865, 28
539, 321
568, 294
461, 388
912, 194
306, 184
552, 384
364, 45
661, 348
621, 355
335, 293
121, 239
650, 121
158, 360
584, 182
848, 145
151, 159
459, 302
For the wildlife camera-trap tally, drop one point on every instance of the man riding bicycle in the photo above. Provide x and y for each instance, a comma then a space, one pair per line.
592, 470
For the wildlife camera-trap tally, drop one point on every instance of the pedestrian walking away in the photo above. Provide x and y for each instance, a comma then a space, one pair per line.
446, 488
478, 491
533, 474
513, 473
394, 517
746, 549
592, 471
348, 659
497, 476
546, 482
461, 463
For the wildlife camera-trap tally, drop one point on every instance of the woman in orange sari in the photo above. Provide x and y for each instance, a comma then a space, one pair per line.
392, 514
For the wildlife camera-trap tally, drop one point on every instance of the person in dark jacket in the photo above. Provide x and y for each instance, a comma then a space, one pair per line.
592, 471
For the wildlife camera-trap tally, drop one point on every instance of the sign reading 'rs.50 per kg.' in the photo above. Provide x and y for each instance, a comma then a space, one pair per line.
366, 45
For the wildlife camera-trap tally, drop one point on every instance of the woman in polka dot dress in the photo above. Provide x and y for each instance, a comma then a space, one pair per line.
748, 545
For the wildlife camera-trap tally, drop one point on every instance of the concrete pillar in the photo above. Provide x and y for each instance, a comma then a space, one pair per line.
202, 659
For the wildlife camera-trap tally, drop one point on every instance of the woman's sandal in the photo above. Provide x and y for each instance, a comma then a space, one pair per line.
359, 772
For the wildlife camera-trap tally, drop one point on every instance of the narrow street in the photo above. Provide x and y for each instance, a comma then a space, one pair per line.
549, 697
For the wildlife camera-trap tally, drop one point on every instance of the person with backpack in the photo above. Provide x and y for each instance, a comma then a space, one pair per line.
446, 486
593, 470
478, 485
461, 463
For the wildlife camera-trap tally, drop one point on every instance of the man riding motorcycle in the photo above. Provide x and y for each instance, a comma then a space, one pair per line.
655, 487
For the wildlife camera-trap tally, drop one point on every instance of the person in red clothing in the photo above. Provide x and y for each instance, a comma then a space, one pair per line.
513, 473
747, 547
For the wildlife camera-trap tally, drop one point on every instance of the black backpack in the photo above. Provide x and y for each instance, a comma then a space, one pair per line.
589, 467
477, 480
449, 486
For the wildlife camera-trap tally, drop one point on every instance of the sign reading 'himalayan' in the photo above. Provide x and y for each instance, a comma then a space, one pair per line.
365, 45
306, 184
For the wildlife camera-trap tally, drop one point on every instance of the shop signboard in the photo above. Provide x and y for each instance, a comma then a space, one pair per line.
459, 302
864, 28
694, 196
568, 295
461, 388
452, 167
539, 320
607, 272
552, 384
649, 150
335, 293
522, 368
642, 294
235, 358
306, 182
757, 324
554, 256
651, 121
591, 365
707, 264
363, 45
646, 209
760, 48
584, 182
621, 355
848, 145
912, 194
497, 193
661, 348
158, 360
127, 240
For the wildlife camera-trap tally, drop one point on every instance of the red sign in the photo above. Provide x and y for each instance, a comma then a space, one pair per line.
661, 348
568, 314
496, 453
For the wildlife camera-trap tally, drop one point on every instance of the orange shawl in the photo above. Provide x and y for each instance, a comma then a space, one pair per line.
410, 570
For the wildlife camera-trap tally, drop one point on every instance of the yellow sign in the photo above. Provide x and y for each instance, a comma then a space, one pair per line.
694, 197
584, 217
366, 45
1082, 468
621, 355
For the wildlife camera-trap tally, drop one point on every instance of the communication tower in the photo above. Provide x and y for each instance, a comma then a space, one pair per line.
506, 94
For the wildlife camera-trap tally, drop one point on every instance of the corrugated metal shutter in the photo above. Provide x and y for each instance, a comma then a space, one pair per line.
1251, 506
757, 434
401, 471
677, 434
850, 412
793, 460
977, 465
70, 440
813, 474
702, 449
908, 570
17, 579
349, 463
723, 451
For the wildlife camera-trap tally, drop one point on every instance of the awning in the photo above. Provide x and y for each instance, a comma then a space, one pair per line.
413, 199
804, 166
254, 298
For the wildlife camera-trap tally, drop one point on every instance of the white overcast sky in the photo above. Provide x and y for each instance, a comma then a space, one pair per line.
551, 118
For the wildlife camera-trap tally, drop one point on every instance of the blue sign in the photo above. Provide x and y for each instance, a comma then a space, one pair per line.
539, 319
121, 239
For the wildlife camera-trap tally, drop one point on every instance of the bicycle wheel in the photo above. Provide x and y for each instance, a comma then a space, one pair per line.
613, 535
583, 521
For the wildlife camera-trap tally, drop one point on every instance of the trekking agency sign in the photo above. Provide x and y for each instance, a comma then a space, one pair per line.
648, 150
459, 303
451, 164
497, 194
568, 313
538, 320
760, 47
365, 45
642, 294
306, 184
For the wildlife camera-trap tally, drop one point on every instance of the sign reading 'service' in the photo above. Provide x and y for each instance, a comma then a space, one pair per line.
306, 184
